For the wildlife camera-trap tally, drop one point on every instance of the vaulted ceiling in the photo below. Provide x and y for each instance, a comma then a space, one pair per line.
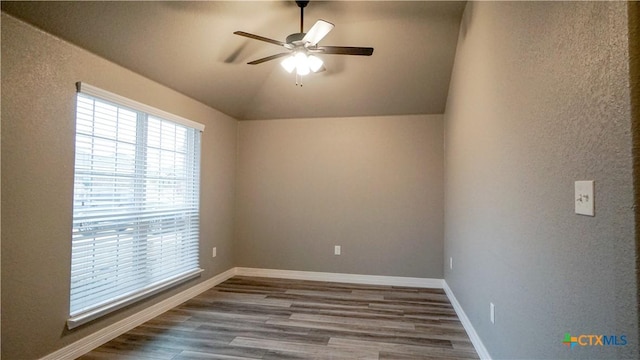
190, 47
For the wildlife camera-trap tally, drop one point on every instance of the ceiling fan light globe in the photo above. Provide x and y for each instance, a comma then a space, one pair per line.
315, 63
289, 64
301, 58
303, 69
302, 63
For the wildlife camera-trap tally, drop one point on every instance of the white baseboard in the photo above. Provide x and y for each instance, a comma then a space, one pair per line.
482, 351
342, 278
110, 332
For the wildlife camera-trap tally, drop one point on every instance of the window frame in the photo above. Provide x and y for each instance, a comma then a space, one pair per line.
89, 313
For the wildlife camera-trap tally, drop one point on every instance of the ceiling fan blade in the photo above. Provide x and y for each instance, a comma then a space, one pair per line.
268, 58
343, 50
317, 32
322, 69
258, 37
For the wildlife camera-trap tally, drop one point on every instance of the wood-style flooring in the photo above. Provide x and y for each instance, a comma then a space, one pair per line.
263, 318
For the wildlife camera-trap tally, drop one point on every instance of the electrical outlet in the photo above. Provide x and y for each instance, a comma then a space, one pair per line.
214, 253
451, 263
492, 313
337, 250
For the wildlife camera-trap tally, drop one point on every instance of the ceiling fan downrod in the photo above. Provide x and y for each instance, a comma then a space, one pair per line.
302, 5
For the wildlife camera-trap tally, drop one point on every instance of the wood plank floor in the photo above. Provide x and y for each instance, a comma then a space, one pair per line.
262, 318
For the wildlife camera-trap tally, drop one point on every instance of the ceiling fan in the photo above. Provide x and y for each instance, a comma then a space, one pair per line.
302, 48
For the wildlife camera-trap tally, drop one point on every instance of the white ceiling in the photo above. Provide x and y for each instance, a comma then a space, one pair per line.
190, 47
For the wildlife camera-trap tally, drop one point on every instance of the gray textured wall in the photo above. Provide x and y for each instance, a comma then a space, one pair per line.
373, 185
38, 116
634, 75
539, 99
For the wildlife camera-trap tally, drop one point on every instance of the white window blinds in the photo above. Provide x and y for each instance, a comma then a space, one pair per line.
136, 203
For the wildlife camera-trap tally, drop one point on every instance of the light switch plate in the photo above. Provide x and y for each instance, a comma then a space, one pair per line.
584, 200
492, 313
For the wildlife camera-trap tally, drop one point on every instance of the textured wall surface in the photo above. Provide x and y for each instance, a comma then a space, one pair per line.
372, 185
539, 99
38, 116
634, 75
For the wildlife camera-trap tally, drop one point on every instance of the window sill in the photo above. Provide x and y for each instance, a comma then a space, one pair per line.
119, 303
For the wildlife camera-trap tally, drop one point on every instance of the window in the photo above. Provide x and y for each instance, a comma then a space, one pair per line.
136, 203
